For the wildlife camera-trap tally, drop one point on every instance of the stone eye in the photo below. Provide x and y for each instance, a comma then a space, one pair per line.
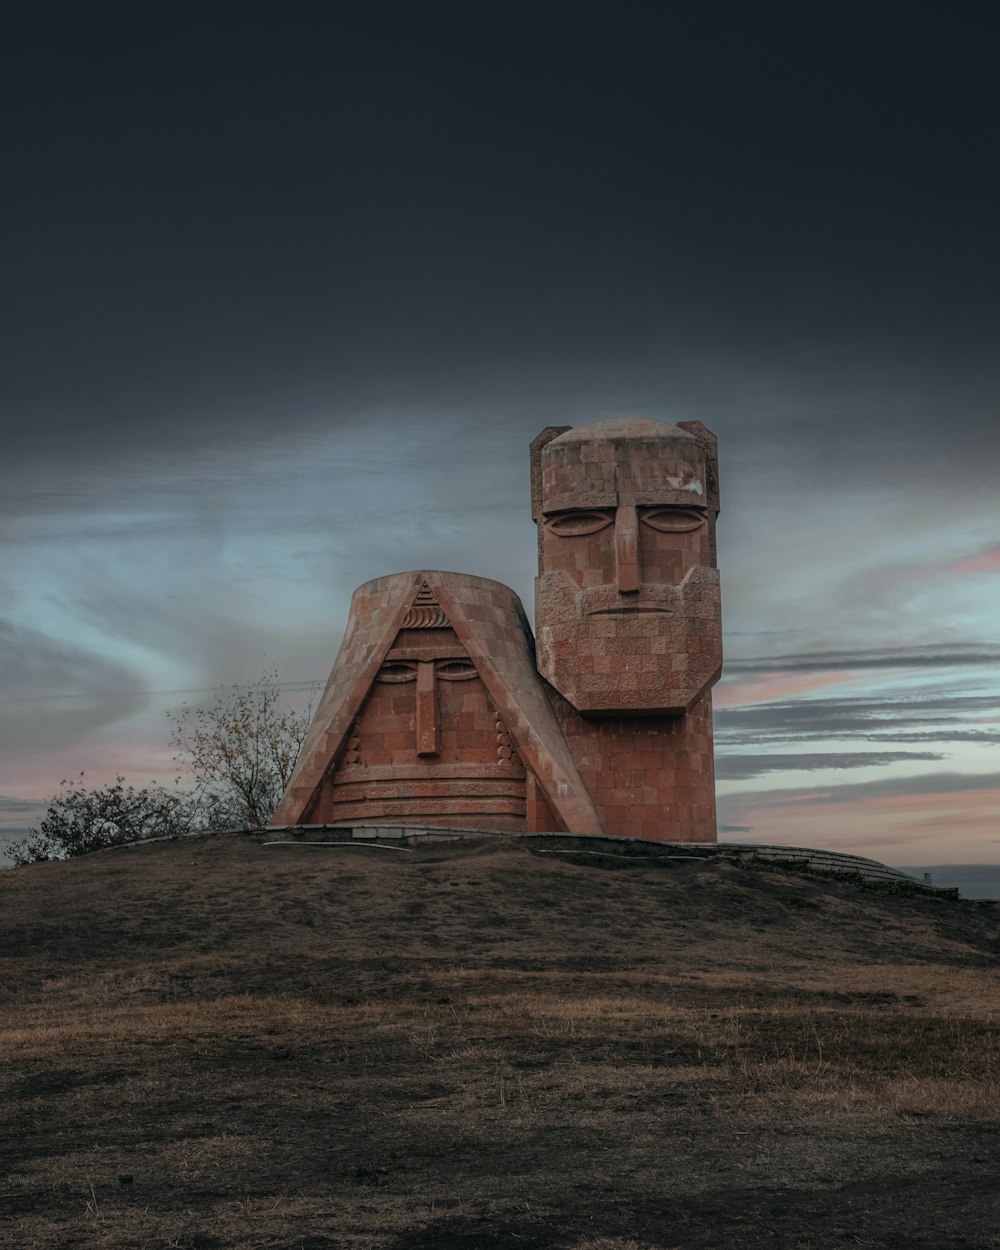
672, 520
575, 524
456, 670
397, 671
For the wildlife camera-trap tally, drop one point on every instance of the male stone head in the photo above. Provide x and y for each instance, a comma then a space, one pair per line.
628, 612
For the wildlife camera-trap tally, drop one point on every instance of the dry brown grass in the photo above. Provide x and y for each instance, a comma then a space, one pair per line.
482, 1049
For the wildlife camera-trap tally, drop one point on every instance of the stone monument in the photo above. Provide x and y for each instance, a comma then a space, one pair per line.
628, 616
434, 714
437, 712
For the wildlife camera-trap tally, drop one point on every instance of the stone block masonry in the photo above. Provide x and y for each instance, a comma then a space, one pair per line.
628, 616
438, 712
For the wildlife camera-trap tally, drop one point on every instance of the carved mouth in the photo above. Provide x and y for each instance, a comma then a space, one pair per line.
630, 611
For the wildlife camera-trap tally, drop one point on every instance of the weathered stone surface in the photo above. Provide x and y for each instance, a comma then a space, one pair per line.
628, 611
628, 616
434, 714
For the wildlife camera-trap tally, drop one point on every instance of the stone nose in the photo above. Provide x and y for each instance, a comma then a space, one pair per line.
428, 742
627, 549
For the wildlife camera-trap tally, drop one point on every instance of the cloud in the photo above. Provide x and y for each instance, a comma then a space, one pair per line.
927, 784
986, 560
10, 806
15, 811
945, 734
934, 816
742, 767
942, 656
771, 686
55, 692
852, 717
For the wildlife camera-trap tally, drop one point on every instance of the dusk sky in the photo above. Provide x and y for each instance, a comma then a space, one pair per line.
288, 289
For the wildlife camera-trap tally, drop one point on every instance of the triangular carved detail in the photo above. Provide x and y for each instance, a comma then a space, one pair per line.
425, 612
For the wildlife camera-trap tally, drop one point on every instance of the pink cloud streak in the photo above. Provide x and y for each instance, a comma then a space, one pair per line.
774, 686
961, 566
944, 826
985, 562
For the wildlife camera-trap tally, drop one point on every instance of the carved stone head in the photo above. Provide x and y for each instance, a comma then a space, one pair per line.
434, 715
627, 608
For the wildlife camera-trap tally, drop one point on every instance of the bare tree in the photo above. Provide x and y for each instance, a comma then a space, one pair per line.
241, 751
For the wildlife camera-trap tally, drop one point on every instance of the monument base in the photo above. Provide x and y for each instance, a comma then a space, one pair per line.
806, 859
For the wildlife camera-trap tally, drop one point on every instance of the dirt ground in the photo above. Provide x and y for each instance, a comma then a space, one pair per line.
214, 1043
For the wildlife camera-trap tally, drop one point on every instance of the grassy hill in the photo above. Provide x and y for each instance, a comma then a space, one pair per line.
216, 1044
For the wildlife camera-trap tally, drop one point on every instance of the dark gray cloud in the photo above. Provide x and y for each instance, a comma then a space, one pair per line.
853, 717
742, 767
945, 734
295, 221
886, 787
17, 817
941, 656
737, 809
11, 806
